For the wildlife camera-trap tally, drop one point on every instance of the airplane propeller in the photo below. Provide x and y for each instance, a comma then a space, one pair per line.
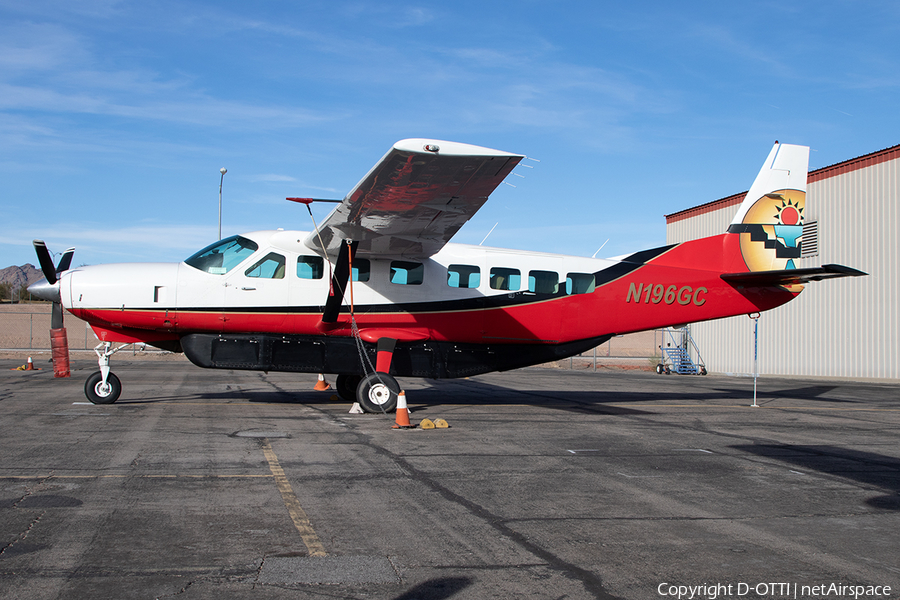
49, 290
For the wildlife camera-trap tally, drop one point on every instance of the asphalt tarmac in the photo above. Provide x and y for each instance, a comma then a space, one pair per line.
548, 484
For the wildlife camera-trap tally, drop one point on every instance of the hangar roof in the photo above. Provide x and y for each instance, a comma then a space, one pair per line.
860, 162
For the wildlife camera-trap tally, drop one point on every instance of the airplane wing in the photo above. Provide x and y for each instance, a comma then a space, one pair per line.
790, 276
415, 199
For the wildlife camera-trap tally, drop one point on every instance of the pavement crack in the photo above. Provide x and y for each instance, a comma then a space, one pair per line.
31, 490
262, 563
24, 534
15, 505
178, 593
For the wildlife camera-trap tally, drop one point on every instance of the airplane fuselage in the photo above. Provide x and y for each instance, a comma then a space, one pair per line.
526, 306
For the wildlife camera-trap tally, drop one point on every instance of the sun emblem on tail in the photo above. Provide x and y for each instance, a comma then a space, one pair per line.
788, 212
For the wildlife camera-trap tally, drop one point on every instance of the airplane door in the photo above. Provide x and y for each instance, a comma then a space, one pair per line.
199, 299
256, 298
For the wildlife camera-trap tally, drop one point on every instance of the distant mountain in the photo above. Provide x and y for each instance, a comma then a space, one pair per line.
20, 276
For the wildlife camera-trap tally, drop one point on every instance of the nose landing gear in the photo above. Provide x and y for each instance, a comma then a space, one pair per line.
103, 387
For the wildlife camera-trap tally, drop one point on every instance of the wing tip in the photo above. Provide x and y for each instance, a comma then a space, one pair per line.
446, 148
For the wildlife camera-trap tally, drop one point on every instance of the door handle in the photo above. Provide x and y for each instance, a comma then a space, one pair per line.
248, 289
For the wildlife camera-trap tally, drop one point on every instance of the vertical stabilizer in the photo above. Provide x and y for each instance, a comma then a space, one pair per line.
770, 219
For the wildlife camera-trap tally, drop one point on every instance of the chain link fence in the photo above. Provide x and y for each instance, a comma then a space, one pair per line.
27, 327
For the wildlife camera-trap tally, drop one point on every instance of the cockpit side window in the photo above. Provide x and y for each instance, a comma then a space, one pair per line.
220, 257
271, 266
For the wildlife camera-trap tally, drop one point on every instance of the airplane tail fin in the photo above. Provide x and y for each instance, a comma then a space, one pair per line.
770, 225
770, 219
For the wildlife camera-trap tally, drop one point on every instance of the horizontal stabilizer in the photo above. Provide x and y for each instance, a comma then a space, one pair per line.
790, 276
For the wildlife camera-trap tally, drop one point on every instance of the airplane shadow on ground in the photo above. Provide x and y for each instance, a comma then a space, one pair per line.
436, 589
867, 468
458, 392
442, 393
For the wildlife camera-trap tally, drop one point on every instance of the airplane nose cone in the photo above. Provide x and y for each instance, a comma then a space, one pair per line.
44, 290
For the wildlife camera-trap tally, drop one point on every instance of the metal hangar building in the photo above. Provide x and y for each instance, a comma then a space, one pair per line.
847, 327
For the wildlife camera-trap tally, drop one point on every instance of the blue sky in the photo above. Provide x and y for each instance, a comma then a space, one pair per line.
115, 117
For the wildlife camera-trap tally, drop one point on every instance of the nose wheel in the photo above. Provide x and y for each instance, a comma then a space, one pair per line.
102, 392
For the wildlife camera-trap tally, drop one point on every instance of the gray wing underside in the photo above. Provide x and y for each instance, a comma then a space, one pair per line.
415, 199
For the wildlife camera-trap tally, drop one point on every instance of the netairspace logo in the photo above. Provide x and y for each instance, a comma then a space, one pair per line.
723, 591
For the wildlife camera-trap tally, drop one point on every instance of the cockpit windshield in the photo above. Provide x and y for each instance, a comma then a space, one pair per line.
220, 257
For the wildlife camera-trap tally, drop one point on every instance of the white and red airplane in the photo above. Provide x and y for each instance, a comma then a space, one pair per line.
378, 290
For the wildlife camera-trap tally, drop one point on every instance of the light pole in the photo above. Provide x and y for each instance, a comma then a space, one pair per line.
223, 170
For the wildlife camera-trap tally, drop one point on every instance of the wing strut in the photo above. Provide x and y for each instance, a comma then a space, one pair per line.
339, 279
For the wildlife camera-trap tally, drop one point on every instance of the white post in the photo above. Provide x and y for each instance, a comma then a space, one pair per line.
755, 356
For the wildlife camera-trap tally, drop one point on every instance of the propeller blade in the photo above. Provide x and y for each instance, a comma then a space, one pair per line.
46, 261
56, 316
65, 261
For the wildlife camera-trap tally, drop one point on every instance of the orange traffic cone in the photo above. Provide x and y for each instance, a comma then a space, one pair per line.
321, 384
402, 413
29, 366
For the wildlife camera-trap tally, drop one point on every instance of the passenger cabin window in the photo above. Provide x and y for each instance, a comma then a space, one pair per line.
463, 276
407, 273
361, 269
543, 282
220, 257
503, 278
271, 266
580, 283
310, 267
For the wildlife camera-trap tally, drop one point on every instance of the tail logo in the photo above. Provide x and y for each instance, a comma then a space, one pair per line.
772, 231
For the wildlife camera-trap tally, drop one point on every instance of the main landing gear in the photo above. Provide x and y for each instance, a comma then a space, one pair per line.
376, 392
103, 387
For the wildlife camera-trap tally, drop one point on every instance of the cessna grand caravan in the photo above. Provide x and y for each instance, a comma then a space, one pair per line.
378, 290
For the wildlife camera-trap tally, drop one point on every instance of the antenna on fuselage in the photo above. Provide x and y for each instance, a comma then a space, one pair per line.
489, 233
600, 248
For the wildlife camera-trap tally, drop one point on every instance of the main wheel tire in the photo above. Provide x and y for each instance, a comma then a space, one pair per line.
378, 392
346, 385
97, 393
660, 369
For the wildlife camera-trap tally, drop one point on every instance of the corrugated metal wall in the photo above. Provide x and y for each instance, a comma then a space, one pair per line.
841, 328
